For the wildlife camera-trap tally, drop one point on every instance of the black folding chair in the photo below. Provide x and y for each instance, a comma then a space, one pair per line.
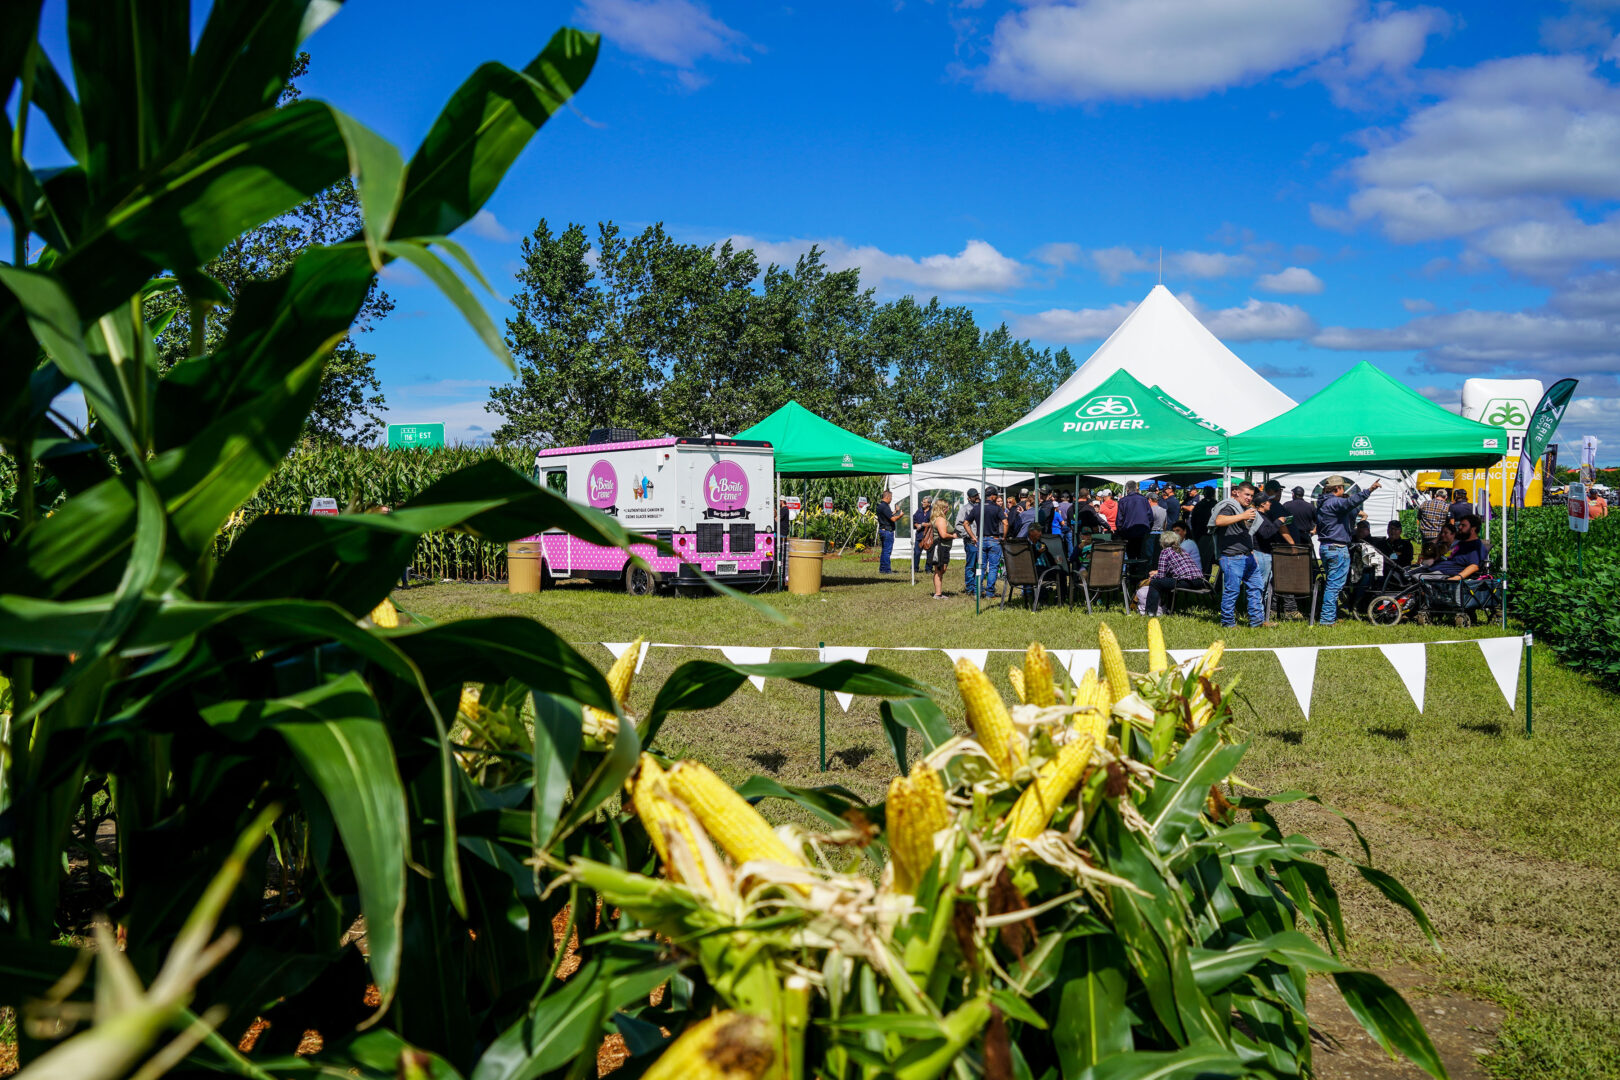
1291, 575
1105, 572
1023, 574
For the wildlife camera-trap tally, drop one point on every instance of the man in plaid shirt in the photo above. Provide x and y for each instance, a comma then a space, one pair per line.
1433, 515
1175, 566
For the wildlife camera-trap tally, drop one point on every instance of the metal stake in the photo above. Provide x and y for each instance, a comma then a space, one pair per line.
822, 655
1529, 707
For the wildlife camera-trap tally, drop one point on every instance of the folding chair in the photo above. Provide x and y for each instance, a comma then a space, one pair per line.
1291, 576
1106, 571
1021, 573
1200, 587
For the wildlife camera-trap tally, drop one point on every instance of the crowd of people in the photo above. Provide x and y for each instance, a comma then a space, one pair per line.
1177, 539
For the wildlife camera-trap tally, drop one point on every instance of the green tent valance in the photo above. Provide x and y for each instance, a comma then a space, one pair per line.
1121, 426
808, 446
1366, 420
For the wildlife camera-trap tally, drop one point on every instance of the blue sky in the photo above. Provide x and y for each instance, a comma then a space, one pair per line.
1433, 188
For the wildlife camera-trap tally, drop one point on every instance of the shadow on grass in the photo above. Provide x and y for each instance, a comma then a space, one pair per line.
853, 757
769, 760
1483, 728
1292, 738
1393, 734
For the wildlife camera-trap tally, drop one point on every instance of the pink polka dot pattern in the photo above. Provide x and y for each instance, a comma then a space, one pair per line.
564, 554
596, 448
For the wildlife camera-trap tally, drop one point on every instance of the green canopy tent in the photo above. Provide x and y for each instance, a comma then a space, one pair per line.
1365, 418
807, 447
1121, 426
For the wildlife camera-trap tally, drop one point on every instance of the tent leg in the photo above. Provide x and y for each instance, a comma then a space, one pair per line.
911, 501
978, 584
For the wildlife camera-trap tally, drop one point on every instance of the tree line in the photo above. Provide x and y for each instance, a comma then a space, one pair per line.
661, 337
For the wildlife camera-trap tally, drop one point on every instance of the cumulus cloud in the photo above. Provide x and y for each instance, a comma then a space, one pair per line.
1295, 280
1272, 371
977, 267
485, 226
1417, 305
1115, 262
1058, 255
1476, 342
675, 32
1256, 320
1089, 50
1380, 54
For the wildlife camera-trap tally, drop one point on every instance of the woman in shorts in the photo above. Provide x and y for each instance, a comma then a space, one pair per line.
939, 556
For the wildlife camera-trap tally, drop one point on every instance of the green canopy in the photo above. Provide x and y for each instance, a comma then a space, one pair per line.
1366, 420
808, 446
1119, 427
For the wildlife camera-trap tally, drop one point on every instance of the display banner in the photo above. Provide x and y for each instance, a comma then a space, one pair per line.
1543, 423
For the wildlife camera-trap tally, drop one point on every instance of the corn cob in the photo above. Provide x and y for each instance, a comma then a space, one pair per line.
619, 677
1033, 811
1016, 677
915, 811
1086, 694
663, 817
1038, 688
1212, 658
385, 614
1158, 659
1113, 664
988, 718
725, 1046
730, 822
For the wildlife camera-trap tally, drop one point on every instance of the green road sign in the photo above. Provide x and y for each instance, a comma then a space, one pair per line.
415, 436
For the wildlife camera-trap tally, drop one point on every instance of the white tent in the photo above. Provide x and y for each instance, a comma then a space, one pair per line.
1161, 344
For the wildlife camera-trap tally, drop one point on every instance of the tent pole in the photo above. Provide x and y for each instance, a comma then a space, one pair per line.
911, 501
1504, 539
781, 540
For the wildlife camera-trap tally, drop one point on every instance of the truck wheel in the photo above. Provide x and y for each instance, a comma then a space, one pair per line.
639, 581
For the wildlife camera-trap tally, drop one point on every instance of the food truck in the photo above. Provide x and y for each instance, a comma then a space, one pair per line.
710, 499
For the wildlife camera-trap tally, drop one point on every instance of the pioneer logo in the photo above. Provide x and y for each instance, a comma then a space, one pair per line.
1361, 446
1106, 412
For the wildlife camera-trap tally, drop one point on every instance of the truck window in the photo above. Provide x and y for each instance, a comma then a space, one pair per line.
557, 480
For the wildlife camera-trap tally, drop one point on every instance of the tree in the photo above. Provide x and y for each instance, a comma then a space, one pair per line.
349, 406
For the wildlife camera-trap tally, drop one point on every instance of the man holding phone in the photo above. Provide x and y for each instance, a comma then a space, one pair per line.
1234, 525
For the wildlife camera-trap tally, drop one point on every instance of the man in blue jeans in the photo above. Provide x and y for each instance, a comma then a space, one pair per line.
1335, 526
969, 530
1233, 522
989, 524
919, 522
886, 517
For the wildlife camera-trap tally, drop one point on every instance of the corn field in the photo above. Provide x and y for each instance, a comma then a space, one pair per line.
363, 478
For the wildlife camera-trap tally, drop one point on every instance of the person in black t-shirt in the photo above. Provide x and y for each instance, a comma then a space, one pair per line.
1198, 522
1395, 547
919, 522
1303, 512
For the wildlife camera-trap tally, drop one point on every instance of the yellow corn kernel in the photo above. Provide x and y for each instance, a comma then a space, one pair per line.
988, 718
1113, 664
1158, 659
725, 1046
619, 677
663, 816
1212, 658
1038, 688
1016, 677
1086, 693
385, 614
731, 823
915, 811
1033, 811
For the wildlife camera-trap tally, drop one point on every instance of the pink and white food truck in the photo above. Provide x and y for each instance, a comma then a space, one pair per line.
709, 499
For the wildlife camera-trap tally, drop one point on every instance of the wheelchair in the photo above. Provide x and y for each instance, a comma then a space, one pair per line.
1426, 600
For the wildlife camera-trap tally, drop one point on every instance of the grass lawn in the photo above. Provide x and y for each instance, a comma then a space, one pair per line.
1512, 843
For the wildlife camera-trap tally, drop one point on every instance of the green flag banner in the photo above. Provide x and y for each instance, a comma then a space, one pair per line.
1543, 423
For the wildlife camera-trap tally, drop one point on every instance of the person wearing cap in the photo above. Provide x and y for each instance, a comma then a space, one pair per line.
1108, 508
989, 522
919, 523
1133, 520
1171, 506
1234, 521
1335, 527
886, 519
970, 538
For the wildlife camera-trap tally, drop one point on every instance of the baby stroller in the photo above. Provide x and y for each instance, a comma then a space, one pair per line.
1425, 600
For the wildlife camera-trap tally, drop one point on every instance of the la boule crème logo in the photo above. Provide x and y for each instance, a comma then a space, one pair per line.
1106, 412
1361, 446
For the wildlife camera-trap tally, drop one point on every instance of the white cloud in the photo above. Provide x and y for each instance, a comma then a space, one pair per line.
485, 226
1380, 54
1067, 325
1473, 342
1592, 294
1115, 262
978, 266
1295, 280
1058, 255
1417, 305
674, 32
1256, 320
458, 404
1089, 50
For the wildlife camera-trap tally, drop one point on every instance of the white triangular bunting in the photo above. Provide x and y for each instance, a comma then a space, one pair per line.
617, 649
1060, 660
748, 654
1502, 657
1181, 656
1082, 661
832, 654
1299, 668
977, 656
1411, 664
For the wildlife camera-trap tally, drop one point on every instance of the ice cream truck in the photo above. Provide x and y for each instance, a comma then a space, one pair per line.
710, 499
